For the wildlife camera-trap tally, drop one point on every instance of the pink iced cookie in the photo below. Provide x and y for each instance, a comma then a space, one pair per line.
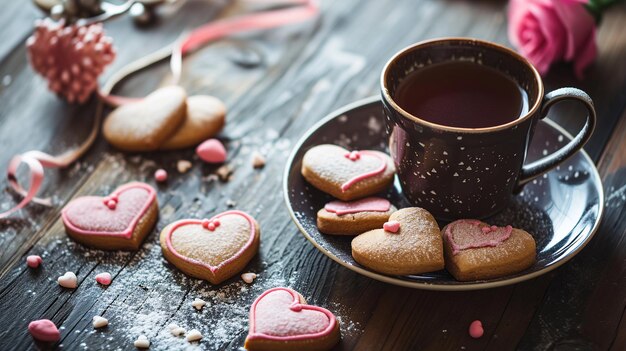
212, 151
33, 261
347, 175
475, 250
44, 330
104, 278
120, 220
280, 319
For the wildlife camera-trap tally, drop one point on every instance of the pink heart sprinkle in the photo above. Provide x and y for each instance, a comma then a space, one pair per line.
160, 175
44, 330
391, 226
476, 329
104, 278
212, 151
33, 261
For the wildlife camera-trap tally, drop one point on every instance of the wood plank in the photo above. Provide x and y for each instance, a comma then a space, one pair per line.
307, 71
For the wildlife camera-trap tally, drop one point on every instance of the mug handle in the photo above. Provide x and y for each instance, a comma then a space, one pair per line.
545, 164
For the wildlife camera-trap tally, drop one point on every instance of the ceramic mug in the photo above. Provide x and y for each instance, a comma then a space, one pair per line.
470, 172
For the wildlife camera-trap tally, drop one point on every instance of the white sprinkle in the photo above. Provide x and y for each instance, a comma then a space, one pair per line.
68, 280
462, 148
469, 168
459, 138
461, 163
455, 174
99, 322
544, 152
176, 330
198, 303
248, 277
183, 166
434, 170
560, 138
194, 335
433, 192
142, 342
422, 144
445, 152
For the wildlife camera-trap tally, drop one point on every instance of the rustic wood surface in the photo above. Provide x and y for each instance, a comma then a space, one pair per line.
277, 84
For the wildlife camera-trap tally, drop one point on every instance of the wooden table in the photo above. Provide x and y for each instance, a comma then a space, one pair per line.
306, 71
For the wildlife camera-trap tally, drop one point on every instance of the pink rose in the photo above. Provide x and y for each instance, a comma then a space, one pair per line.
545, 31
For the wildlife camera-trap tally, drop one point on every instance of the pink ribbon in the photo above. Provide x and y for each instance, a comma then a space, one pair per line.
37, 160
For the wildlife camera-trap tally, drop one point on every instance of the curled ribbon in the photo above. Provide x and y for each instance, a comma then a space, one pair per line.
37, 161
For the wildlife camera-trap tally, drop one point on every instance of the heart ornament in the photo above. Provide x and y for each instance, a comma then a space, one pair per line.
212, 249
410, 243
476, 251
118, 221
347, 175
280, 319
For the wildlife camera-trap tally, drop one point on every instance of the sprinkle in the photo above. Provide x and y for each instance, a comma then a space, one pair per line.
160, 175
391, 226
198, 304
476, 329
111, 204
33, 261
183, 166
248, 277
142, 342
194, 335
176, 330
68, 280
224, 173
99, 322
258, 161
104, 278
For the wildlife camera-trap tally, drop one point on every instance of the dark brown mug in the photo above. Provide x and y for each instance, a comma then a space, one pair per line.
470, 172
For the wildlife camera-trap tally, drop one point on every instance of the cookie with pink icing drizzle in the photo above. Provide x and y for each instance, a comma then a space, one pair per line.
410, 244
476, 251
212, 249
119, 221
354, 217
347, 175
280, 319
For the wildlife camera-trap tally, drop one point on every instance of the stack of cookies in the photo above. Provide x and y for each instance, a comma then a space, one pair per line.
409, 240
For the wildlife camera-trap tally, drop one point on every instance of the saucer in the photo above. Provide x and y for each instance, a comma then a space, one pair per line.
561, 209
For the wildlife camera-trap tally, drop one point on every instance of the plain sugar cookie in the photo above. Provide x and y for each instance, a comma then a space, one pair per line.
347, 175
354, 217
145, 125
475, 250
205, 117
120, 220
413, 246
280, 319
212, 249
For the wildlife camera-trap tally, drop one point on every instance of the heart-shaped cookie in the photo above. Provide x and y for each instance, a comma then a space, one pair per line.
205, 118
416, 246
475, 250
354, 217
212, 249
347, 175
280, 319
145, 125
118, 221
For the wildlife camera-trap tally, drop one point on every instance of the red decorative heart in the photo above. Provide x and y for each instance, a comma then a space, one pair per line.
281, 315
115, 215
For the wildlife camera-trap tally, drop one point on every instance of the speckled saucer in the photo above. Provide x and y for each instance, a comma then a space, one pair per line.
562, 209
